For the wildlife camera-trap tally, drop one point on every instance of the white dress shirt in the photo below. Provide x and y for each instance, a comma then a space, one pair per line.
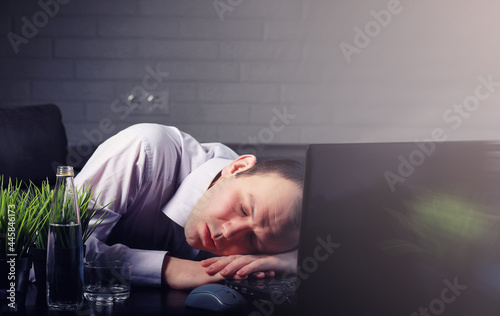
148, 171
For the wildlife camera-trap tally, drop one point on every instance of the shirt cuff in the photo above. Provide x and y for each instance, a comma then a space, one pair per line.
146, 264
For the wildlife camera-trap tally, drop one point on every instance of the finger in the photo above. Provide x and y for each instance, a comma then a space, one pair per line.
219, 265
267, 274
263, 274
215, 268
237, 264
270, 274
213, 260
207, 262
211, 270
266, 264
258, 275
236, 277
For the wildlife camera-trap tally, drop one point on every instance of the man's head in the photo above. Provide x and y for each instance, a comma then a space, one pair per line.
252, 208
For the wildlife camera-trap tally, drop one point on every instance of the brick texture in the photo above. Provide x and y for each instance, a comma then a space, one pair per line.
142, 27
36, 68
35, 47
94, 48
178, 49
61, 26
14, 90
344, 71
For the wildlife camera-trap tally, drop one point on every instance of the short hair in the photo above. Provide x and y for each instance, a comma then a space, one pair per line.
288, 169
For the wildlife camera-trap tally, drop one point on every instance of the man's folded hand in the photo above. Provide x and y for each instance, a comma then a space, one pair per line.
259, 266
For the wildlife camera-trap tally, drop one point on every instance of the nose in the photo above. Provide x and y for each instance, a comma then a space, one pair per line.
234, 227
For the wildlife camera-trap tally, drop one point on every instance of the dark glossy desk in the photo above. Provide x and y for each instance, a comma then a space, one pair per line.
143, 301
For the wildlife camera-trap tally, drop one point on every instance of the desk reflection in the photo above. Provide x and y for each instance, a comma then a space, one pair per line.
143, 301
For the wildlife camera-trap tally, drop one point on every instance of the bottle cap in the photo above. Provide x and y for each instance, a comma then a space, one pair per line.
65, 171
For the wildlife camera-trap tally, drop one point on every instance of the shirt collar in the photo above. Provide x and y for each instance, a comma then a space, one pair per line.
191, 189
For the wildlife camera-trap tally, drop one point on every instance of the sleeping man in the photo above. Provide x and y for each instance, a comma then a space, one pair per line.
187, 213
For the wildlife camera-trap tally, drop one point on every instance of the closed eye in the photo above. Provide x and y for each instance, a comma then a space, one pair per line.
243, 211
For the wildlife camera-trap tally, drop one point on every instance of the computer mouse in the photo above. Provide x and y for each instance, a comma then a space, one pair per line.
215, 297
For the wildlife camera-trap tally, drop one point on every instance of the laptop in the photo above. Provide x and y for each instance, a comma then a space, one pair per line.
397, 229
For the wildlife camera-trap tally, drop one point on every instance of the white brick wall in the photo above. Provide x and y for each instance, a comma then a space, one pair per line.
70, 27
15, 90
228, 77
36, 47
71, 90
36, 68
178, 49
107, 49
133, 27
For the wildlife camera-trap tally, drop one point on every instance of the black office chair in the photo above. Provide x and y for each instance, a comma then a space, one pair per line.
33, 142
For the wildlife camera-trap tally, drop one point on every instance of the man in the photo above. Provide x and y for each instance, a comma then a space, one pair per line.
175, 201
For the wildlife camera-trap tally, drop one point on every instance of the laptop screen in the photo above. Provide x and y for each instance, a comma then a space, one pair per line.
401, 229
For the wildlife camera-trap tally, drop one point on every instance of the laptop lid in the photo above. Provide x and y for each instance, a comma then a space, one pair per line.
401, 229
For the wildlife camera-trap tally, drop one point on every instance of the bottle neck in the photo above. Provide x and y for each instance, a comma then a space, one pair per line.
64, 209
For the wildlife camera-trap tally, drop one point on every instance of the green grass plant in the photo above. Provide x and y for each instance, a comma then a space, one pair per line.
24, 215
20, 219
88, 210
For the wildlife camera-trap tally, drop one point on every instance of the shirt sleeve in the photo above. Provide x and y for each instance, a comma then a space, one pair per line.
146, 264
125, 172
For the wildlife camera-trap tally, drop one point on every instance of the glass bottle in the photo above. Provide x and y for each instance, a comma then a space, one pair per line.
64, 246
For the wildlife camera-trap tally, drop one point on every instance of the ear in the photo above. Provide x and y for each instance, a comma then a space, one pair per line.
241, 163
